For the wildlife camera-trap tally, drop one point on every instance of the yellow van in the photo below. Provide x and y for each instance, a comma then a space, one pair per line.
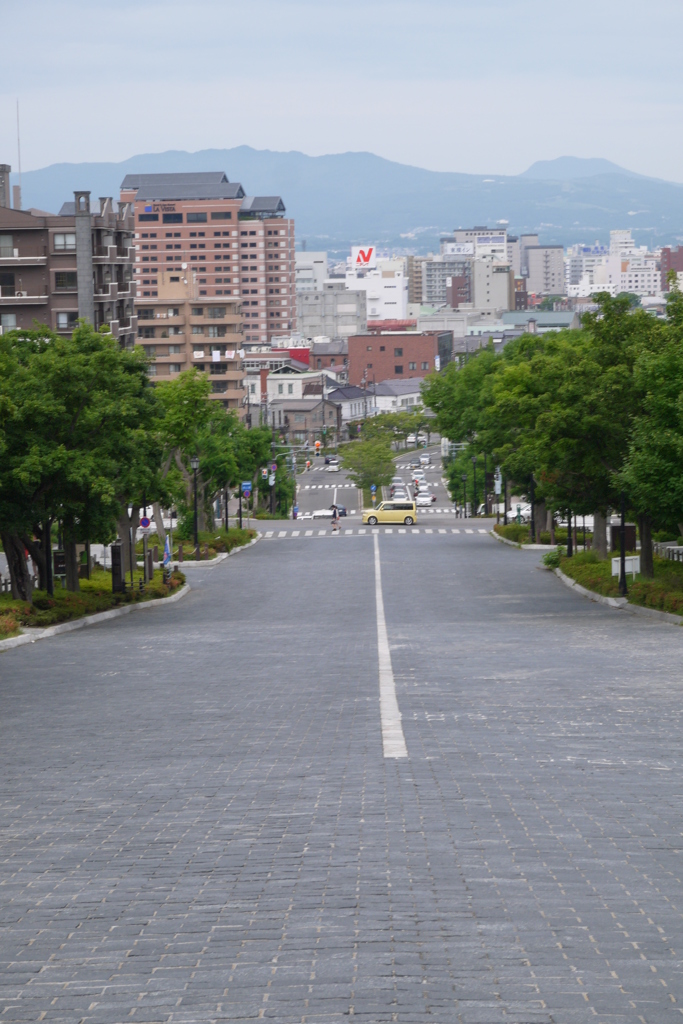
391, 512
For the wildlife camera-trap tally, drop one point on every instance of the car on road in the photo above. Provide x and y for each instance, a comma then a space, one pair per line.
425, 460
341, 510
424, 499
391, 512
415, 463
397, 484
331, 460
401, 496
333, 468
321, 513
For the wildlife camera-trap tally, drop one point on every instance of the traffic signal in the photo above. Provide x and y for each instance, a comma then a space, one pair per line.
264, 474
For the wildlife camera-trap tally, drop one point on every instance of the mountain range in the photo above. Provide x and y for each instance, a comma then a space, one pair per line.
349, 198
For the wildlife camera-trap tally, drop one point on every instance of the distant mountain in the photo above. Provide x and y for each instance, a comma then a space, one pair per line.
348, 198
571, 168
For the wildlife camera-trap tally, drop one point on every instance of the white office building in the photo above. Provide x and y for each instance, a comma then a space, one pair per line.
310, 271
385, 287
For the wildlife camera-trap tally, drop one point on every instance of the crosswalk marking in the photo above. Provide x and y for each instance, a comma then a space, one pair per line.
453, 530
363, 531
469, 531
348, 531
321, 533
309, 533
482, 531
401, 531
295, 533
389, 531
442, 531
429, 531
282, 533
375, 530
270, 533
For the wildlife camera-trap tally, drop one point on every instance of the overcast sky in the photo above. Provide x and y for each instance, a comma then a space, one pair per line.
458, 85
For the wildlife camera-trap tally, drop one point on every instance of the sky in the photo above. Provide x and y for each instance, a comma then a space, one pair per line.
478, 86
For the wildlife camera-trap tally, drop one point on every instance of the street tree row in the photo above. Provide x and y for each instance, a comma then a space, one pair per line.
576, 417
86, 438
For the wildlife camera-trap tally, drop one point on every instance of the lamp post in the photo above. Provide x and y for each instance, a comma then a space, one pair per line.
464, 495
194, 462
474, 485
623, 587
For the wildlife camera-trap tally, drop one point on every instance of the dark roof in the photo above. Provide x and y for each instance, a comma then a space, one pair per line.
68, 209
346, 394
330, 348
192, 178
263, 205
402, 386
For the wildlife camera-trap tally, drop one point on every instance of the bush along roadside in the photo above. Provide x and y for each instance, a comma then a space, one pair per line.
664, 593
211, 543
94, 596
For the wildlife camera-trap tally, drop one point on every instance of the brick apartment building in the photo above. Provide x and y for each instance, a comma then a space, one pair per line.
230, 244
179, 329
57, 268
671, 259
406, 354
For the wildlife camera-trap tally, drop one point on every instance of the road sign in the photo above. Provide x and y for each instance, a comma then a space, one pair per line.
273, 467
271, 480
144, 522
373, 488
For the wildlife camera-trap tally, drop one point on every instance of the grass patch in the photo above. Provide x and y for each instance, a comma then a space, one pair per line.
664, 592
94, 596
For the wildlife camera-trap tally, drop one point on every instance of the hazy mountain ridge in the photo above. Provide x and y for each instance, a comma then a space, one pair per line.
359, 197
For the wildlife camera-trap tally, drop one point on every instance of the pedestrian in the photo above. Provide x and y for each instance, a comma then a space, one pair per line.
335, 519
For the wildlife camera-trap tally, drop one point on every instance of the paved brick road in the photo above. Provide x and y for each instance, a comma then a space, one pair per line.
198, 823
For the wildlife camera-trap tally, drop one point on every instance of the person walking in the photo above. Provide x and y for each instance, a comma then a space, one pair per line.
335, 519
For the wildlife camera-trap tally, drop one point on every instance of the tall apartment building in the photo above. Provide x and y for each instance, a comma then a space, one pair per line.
55, 269
230, 244
180, 328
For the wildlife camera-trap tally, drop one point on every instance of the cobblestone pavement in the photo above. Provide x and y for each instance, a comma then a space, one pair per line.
198, 823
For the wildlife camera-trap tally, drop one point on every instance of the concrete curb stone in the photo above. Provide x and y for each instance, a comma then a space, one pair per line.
522, 547
210, 562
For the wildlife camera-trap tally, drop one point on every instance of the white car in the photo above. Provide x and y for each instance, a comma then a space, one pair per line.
423, 499
322, 513
333, 468
425, 460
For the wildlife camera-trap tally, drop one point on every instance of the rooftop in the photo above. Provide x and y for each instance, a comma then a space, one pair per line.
195, 185
262, 206
397, 387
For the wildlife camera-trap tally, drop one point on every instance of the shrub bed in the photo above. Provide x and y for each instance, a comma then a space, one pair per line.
664, 592
94, 596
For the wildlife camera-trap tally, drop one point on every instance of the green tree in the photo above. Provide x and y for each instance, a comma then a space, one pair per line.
369, 462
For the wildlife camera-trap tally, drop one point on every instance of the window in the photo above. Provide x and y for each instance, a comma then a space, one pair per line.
145, 332
67, 321
398, 352
9, 320
149, 216
6, 246
280, 389
174, 367
412, 366
171, 218
174, 350
382, 348
221, 215
424, 366
219, 387
217, 331
219, 367
65, 243
369, 366
398, 369
369, 348
172, 311
151, 371
290, 389
197, 311
197, 330
66, 281
145, 314
150, 351
196, 218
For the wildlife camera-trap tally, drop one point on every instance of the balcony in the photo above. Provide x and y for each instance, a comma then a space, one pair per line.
15, 297
11, 257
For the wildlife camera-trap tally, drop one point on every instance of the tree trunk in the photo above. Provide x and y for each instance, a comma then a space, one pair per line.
22, 587
539, 519
647, 566
36, 549
576, 544
600, 535
551, 526
125, 523
159, 522
72, 581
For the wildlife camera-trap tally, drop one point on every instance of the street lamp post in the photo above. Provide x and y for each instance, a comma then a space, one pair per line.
474, 485
194, 462
464, 495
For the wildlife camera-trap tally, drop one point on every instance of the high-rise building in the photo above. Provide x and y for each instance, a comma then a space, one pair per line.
55, 269
230, 244
545, 265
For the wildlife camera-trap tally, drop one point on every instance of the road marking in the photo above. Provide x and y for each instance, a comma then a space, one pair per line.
414, 530
334, 497
389, 531
282, 533
429, 531
363, 531
309, 533
322, 533
469, 531
442, 531
295, 533
455, 531
393, 740
483, 531
348, 531
375, 530
401, 531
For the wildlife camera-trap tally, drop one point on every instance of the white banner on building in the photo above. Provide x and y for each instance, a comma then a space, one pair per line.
364, 257
458, 249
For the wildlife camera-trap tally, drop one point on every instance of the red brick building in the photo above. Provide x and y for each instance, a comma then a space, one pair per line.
398, 355
672, 259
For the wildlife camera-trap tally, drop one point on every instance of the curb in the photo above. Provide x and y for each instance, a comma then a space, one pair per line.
89, 620
523, 547
210, 562
504, 540
620, 603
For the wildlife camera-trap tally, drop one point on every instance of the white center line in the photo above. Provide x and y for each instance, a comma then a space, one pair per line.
393, 740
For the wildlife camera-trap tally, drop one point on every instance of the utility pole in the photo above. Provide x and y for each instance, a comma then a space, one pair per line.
623, 587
